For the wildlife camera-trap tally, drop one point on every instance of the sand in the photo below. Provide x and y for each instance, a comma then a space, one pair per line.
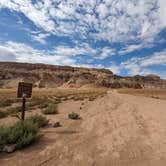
114, 130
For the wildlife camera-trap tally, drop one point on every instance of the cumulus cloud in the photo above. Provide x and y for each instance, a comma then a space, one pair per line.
40, 37
23, 53
59, 55
107, 52
80, 49
6, 55
111, 20
140, 65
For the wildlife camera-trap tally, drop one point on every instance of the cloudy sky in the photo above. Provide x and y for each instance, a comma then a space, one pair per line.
125, 36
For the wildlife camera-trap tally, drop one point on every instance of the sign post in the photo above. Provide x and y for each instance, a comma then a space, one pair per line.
24, 91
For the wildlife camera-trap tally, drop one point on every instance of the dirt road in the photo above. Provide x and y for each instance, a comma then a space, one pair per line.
115, 130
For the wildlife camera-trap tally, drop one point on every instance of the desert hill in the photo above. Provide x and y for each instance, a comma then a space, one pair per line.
49, 76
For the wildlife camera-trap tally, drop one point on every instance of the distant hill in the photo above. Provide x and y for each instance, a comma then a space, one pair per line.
51, 76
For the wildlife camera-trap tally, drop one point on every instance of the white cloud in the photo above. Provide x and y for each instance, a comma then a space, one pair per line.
134, 47
62, 54
24, 53
79, 49
158, 58
40, 37
6, 55
116, 69
111, 20
106, 52
140, 65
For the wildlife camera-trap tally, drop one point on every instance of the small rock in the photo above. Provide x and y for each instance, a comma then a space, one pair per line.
9, 148
56, 124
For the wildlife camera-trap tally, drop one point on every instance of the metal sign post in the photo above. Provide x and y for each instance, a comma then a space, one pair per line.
24, 91
23, 107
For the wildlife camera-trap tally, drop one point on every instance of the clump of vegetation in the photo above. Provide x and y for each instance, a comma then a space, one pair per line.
37, 101
14, 110
78, 98
57, 100
51, 109
91, 98
73, 115
22, 133
3, 114
43, 105
6, 103
56, 124
40, 120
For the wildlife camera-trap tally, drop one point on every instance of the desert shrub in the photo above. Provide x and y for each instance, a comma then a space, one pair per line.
20, 134
57, 101
37, 101
14, 110
39, 120
78, 98
51, 109
3, 114
73, 115
43, 105
91, 98
5, 103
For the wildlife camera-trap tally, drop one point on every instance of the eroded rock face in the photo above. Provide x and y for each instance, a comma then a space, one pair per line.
51, 76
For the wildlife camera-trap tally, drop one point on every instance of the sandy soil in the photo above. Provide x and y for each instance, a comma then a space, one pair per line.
115, 130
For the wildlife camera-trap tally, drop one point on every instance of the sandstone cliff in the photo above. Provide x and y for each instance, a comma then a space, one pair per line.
51, 76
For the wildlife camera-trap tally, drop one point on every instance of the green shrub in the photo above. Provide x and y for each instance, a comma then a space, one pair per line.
57, 101
37, 101
73, 115
20, 134
43, 105
3, 114
51, 109
40, 120
14, 110
5, 103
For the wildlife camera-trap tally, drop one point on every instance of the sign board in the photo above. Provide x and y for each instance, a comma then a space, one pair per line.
24, 89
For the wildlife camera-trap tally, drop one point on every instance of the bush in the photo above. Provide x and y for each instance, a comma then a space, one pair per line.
5, 103
91, 98
39, 120
14, 110
51, 109
3, 114
20, 134
73, 115
37, 101
57, 101
43, 105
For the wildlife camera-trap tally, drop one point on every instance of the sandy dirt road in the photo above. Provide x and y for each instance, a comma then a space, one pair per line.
115, 130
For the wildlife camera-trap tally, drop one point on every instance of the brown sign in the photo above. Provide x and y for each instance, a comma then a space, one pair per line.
24, 90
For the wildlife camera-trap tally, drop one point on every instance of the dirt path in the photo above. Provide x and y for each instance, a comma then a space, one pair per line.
116, 130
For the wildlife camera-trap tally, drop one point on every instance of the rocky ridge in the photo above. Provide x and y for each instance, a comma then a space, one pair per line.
52, 76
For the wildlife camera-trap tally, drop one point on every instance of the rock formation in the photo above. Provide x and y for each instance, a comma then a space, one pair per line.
51, 76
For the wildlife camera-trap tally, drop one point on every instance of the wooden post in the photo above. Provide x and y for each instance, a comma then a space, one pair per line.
23, 107
24, 91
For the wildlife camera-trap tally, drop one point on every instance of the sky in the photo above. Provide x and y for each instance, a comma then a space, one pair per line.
126, 36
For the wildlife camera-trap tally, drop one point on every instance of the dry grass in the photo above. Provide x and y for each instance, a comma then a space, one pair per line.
154, 93
42, 98
50, 92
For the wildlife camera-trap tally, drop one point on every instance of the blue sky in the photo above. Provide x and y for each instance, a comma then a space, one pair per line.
125, 36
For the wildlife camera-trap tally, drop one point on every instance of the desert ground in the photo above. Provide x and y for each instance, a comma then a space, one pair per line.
115, 129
